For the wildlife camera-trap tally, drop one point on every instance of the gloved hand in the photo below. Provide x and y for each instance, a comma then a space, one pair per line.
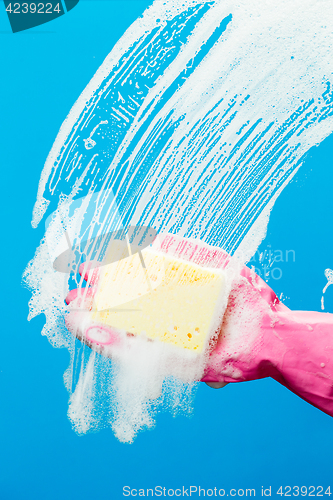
259, 336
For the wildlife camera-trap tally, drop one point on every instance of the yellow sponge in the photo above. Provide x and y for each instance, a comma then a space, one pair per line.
161, 297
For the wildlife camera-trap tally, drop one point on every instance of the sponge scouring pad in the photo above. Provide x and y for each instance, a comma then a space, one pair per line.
161, 297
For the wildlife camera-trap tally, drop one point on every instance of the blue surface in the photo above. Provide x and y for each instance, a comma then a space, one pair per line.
244, 436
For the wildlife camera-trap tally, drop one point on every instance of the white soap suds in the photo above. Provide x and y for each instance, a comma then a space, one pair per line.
205, 117
329, 277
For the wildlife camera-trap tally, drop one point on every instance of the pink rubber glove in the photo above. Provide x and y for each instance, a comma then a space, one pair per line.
293, 347
259, 336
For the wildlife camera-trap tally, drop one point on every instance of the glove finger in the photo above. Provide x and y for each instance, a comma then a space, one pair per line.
81, 298
100, 338
90, 271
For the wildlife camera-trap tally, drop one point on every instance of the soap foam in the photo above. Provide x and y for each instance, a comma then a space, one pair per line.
193, 125
128, 389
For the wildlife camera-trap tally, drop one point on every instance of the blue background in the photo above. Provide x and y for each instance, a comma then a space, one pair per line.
247, 435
